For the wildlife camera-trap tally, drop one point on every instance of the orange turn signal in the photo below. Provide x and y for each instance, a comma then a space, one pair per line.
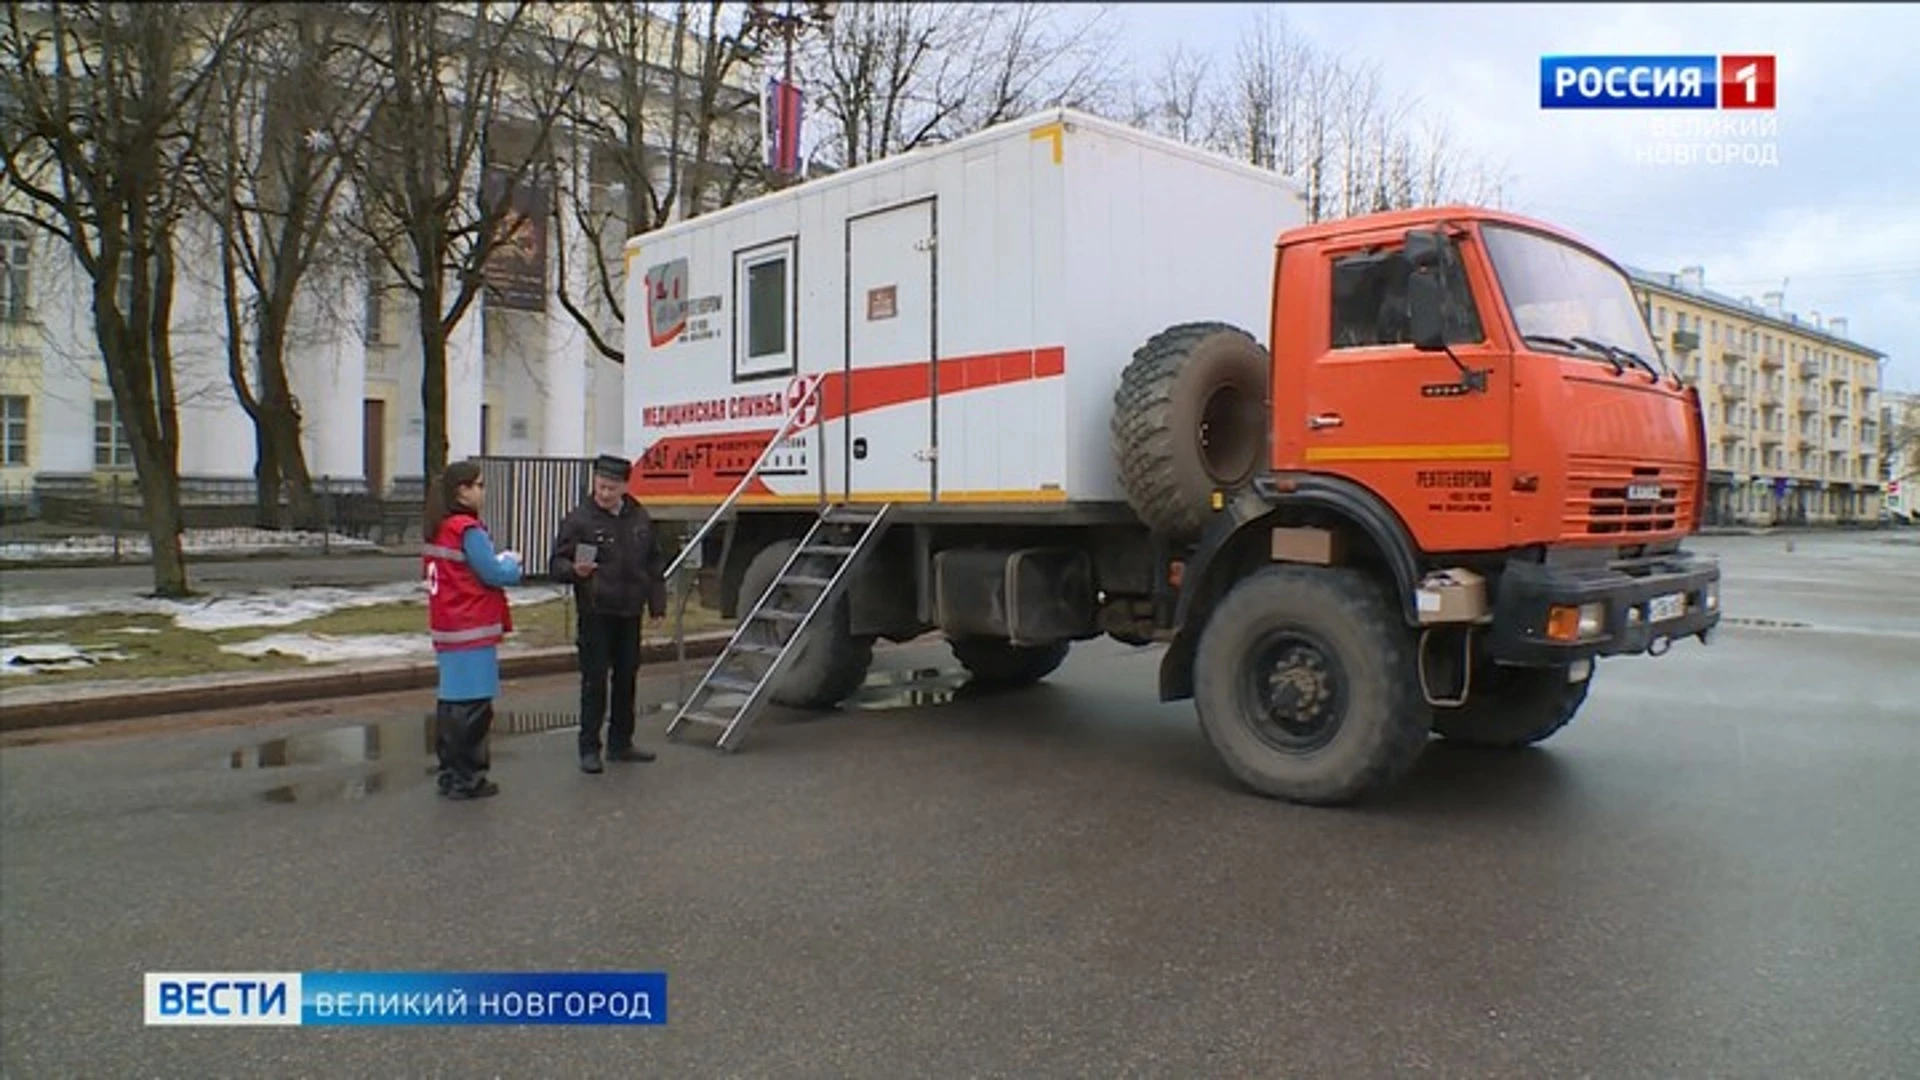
1563, 623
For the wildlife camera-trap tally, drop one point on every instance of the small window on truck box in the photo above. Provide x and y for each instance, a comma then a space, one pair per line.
763, 338
1370, 300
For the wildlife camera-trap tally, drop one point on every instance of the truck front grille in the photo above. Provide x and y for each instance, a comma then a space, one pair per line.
1610, 499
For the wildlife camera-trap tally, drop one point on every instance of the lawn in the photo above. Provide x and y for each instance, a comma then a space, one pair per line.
153, 647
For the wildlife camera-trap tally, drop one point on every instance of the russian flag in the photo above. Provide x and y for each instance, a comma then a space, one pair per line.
782, 112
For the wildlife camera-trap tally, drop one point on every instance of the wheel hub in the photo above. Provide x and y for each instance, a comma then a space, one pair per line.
1296, 694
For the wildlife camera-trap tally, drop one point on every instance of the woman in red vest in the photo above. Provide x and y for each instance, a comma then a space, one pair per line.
467, 616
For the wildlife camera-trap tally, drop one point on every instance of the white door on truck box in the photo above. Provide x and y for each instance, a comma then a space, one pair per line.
890, 354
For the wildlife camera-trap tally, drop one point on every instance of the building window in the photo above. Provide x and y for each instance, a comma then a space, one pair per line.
1370, 300
13, 430
376, 328
111, 450
14, 271
763, 331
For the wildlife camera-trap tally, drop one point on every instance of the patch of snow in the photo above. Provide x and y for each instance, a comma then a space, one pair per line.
284, 607
268, 607
193, 541
31, 659
142, 631
328, 648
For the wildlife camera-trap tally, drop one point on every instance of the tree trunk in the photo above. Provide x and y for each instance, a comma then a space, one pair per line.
433, 379
279, 426
160, 491
266, 478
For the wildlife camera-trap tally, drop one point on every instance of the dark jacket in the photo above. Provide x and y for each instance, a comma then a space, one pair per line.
630, 578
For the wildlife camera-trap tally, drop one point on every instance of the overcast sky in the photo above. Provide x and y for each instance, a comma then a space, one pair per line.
1838, 218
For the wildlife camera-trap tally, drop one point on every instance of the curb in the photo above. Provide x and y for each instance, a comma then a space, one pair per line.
110, 704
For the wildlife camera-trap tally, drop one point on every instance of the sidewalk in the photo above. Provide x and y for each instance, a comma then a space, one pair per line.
84, 703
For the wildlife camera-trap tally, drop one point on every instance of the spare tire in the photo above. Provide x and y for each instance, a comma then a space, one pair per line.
1190, 419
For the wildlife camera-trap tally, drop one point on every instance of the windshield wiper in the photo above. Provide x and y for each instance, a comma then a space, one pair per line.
1617, 353
1576, 345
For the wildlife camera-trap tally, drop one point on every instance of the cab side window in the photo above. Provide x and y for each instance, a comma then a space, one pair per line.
1370, 300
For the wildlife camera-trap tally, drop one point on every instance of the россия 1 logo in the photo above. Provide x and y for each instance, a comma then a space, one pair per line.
1657, 82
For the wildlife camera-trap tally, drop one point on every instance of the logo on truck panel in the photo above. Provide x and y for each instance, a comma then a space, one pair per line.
666, 301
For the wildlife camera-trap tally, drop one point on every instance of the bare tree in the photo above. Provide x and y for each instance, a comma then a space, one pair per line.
1173, 100
272, 173
1329, 126
467, 100
896, 76
103, 108
661, 130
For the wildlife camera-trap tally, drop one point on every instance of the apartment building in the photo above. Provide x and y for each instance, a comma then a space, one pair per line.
1900, 419
1792, 404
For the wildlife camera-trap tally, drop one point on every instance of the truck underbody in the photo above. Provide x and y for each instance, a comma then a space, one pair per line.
1034, 577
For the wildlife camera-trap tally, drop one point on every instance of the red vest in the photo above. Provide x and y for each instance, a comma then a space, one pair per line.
462, 611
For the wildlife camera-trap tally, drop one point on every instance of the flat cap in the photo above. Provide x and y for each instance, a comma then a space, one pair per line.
611, 466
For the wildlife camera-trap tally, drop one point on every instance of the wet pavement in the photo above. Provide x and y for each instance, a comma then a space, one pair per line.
1712, 872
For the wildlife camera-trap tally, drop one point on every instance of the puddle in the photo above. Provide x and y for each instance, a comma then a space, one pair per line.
909, 688
394, 746
401, 751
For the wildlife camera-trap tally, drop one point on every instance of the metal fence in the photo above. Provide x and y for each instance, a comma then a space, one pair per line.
526, 499
104, 517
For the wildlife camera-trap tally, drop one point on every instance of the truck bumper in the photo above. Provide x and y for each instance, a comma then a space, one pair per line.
1546, 615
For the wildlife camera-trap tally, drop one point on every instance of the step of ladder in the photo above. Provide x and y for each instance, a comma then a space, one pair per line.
823, 544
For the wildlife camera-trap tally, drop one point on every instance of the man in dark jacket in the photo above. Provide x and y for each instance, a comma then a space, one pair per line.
608, 548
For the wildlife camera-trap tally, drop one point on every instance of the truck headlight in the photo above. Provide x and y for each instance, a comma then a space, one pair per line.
1568, 623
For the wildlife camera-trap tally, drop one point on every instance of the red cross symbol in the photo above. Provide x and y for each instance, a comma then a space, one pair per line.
803, 400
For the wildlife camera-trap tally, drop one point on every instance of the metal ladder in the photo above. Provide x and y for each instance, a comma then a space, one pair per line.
738, 687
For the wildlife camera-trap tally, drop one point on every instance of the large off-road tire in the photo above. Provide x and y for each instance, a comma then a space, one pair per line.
1307, 688
1189, 419
831, 663
1509, 707
993, 662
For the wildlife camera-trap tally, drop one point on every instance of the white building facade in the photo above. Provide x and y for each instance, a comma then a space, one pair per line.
520, 383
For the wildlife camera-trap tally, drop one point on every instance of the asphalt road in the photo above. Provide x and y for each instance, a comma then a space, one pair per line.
67, 584
1713, 872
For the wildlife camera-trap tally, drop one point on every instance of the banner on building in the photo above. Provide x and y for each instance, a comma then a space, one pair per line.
516, 269
780, 114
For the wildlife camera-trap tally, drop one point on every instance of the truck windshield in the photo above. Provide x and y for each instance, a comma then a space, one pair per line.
1566, 300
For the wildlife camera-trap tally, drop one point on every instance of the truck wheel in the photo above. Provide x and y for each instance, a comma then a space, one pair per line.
991, 661
1307, 686
1189, 419
831, 663
1515, 707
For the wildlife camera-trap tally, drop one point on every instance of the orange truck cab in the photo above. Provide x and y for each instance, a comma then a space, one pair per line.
1468, 414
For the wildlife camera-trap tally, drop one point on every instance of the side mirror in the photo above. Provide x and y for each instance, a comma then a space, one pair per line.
1426, 248
1426, 310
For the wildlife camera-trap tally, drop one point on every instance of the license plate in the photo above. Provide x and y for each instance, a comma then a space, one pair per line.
1670, 606
1643, 492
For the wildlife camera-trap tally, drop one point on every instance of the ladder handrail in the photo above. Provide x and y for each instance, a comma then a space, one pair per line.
740, 488
672, 573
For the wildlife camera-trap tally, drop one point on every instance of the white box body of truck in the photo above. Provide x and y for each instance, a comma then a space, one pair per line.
964, 312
